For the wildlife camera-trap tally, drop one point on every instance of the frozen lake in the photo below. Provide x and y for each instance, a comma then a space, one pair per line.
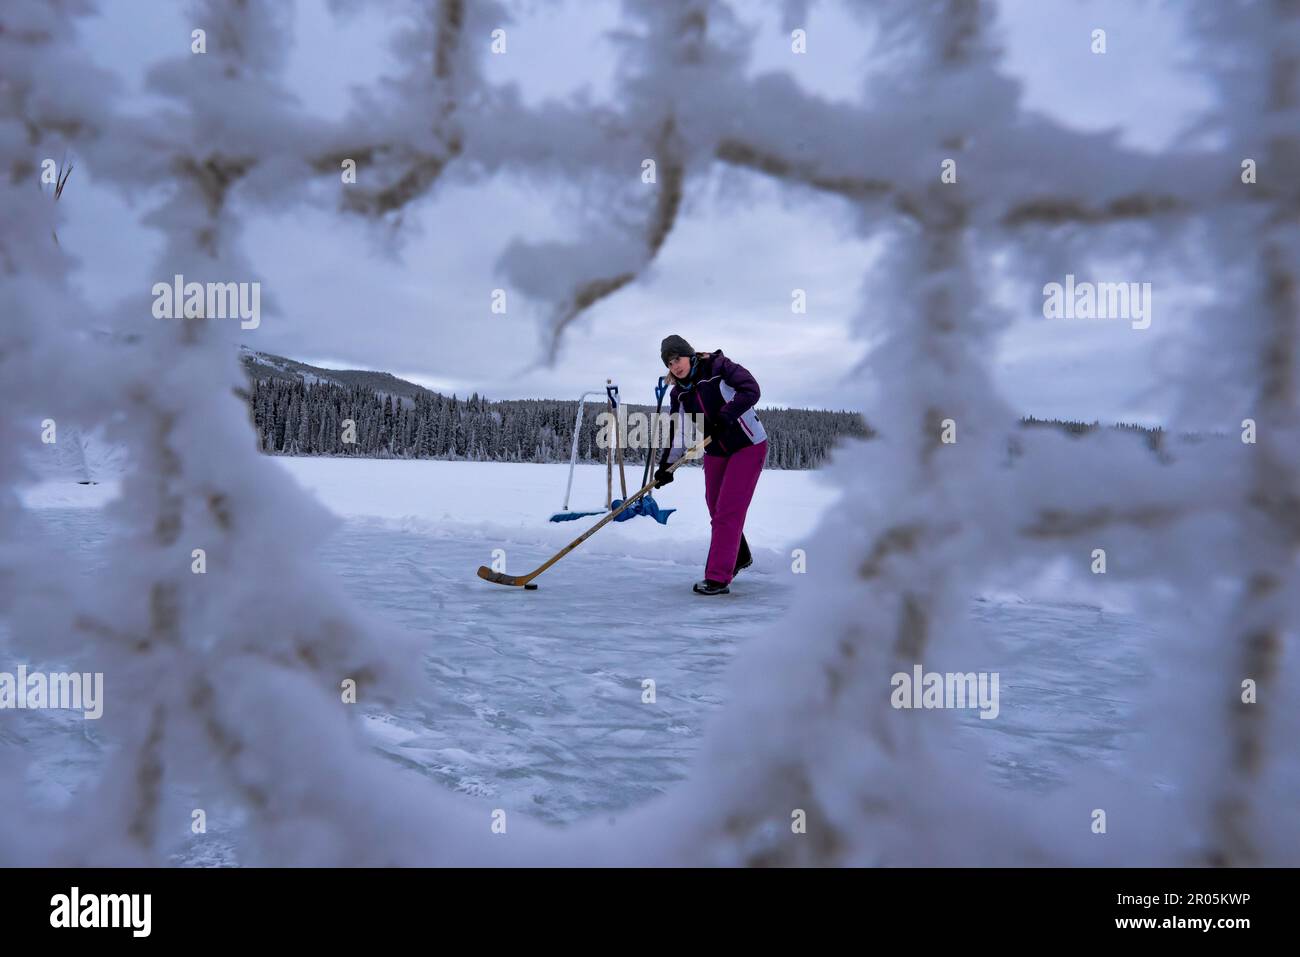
532, 701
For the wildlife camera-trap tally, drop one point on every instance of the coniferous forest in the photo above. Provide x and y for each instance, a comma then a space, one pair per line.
294, 417
299, 409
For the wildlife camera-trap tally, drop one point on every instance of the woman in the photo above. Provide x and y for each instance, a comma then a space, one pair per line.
725, 393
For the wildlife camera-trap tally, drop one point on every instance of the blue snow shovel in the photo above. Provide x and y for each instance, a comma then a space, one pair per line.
647, 504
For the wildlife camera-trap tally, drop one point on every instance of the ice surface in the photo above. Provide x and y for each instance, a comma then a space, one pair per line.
532, 701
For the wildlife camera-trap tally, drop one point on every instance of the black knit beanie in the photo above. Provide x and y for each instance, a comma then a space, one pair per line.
674, 346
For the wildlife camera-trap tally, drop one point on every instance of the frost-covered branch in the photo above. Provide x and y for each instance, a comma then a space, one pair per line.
233, 676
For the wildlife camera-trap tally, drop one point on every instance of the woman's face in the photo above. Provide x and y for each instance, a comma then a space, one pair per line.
680, 367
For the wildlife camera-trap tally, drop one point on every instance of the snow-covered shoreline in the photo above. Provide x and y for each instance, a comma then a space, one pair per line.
506, 503
512, 502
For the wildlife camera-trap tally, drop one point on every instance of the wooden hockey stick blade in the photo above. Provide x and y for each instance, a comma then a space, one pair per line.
499, 578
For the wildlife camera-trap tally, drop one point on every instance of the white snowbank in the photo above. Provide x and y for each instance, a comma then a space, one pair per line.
513, 502
61, 493
74, 457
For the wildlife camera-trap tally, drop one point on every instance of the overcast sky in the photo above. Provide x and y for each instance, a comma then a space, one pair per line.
723, 280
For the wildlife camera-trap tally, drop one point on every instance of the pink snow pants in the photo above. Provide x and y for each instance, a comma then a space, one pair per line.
729, 482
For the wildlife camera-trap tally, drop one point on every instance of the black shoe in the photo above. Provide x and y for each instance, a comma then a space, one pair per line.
743, 558
710, 587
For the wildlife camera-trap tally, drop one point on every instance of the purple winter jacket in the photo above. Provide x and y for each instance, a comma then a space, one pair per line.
726, 393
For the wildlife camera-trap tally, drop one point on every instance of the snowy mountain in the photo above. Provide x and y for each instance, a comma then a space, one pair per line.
264, 365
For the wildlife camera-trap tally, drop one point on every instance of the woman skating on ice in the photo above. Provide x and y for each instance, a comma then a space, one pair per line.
725, 393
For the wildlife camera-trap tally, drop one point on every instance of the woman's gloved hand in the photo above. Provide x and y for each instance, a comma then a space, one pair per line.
663, 477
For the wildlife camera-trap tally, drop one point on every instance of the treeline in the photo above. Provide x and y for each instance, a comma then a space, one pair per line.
294, 417
1154, 437
298, 418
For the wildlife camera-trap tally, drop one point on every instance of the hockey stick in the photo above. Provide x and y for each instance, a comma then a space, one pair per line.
499, 578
